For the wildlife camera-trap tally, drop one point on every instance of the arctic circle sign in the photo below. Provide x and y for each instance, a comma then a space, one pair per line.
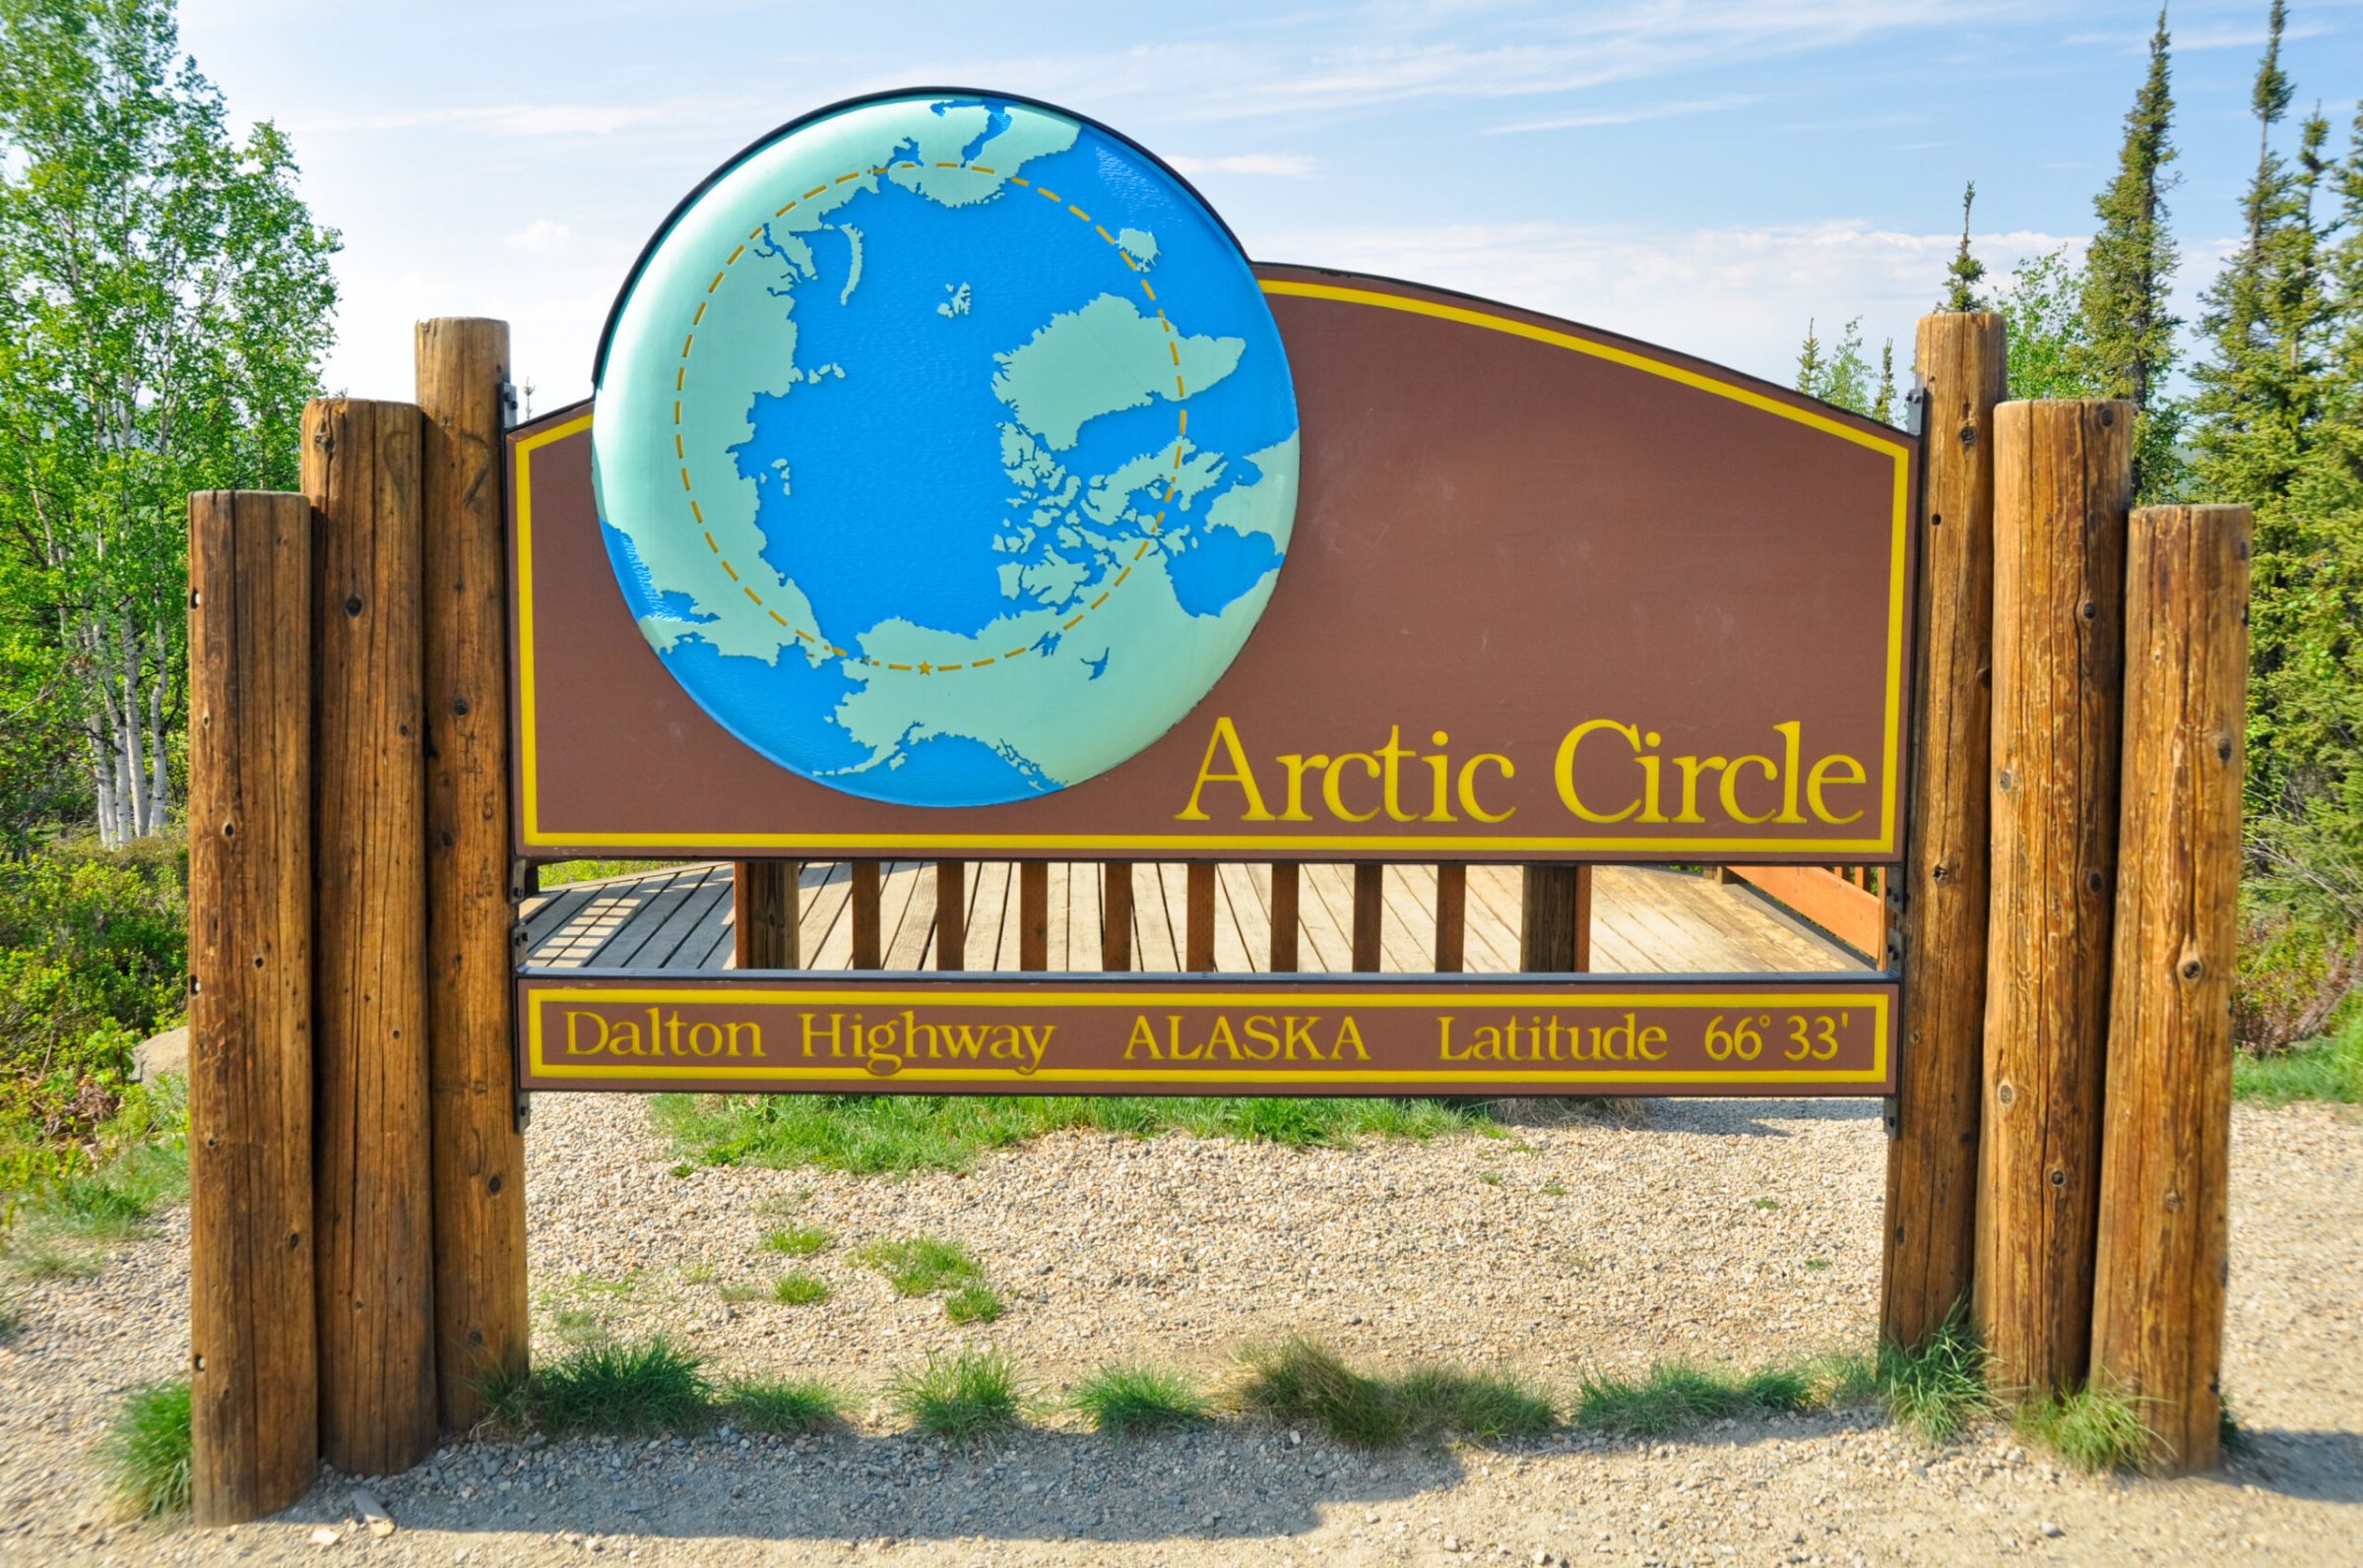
946, 450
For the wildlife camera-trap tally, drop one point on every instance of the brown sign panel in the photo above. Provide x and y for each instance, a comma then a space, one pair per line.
1082, 1036
1551, 594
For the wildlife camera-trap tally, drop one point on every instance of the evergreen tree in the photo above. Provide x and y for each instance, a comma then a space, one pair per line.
2127, 329
1840, 375
1883, 404
1966, 271
1809, 360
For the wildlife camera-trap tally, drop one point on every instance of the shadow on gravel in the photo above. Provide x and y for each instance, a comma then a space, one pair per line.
2318, 1466
1037, 1485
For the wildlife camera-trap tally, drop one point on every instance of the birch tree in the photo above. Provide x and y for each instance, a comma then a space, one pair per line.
164, 305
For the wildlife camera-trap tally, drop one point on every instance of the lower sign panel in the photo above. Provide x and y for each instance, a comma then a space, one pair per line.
1084, 1035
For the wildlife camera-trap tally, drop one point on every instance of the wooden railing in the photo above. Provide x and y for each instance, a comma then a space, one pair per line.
1849, 902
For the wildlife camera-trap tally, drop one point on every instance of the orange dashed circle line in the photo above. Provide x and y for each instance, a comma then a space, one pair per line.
680, 384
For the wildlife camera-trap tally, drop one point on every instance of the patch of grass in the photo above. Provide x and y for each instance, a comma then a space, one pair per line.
921, 1265
1845, 1378
1680, 1396
782, 1408
1126, 1401
1817, 1265
1300, 1380
146, 1452
698, 1273
2095, 1428
802, 1242
2228, 1431
1555, 1189
973, 1303
633, 1390
1492, 1179
577, 1325
559, 873
800, 1289
593, 1285
2329, 1069
141, 1164
36, 1253
12, 1316
680, 1170
739, 1291
507, 1390
970, 1395
1937, 1389
872, 1134
1766, 1204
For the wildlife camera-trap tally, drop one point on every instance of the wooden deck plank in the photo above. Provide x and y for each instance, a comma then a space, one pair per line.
1329, 912
543, 915
1157, 916
1493, 944
1247, 900
907, 906
991, 889
655, 917
695, 900
1084, 917
828, 929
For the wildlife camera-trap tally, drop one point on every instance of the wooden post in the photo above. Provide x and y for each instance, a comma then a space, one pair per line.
1197, 917
1451, 917
867, 953
1284, 918
373, 1188
951, 914
1555, 925
1370, 913
1033, 915
1931, 1229
2062, 483
253, 1381
1116, 916
764, 914
2157, 1311
477, 1152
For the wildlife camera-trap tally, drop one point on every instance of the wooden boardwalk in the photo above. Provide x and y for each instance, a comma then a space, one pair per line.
1644, 921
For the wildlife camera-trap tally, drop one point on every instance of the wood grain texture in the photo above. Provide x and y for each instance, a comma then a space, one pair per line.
869, 947
1283, 916
764, 917
373, 1188
1369, 917
2063, 483
1451, 918
1198, 917
253, 1378
478, 1154
1555, 919
1116, 916
951, 914
1034, 916
1930, 1233
2157, 1311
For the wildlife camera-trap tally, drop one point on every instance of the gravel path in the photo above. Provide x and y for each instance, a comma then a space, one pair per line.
1724, 1230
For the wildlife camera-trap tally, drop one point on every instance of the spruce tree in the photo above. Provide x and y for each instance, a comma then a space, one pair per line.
1809, 361
1883, 403
2128, 270
1966, 271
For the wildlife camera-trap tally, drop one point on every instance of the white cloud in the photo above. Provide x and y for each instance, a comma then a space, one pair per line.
1286, 165
1659, 111
541, 238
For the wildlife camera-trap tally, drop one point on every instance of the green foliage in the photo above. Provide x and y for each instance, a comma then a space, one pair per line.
1129, 1399
2050, 354
2329, 1070
1935, 1389
1842, 375
873, 1134
137, 1161
1965, 270
561, 873
1301, 1381
921, 1265
973, 1303
165, 310
970, 1395
2093, 1428
802, 1241
146, 1452
800, 1289
1678, 1397
783, 1409
507, 1389
636, 1390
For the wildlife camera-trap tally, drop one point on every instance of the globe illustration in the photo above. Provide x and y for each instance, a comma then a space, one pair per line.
944, 449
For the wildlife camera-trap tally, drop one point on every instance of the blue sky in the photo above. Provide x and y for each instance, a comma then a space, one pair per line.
1702, 174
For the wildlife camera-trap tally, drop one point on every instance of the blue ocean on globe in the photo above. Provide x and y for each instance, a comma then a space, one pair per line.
945, 450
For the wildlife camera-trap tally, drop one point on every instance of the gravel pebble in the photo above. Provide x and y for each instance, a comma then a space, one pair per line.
1729, 1232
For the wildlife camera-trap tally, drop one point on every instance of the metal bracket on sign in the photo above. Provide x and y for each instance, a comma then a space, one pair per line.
1915, 411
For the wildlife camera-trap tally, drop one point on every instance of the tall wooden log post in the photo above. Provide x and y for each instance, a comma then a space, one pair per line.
1930, 1228
1555, 930
764, 915
254, 1402
477, 1152
373, 1185
2062, 478
2157, 1311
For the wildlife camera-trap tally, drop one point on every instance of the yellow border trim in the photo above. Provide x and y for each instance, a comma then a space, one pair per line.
1885, 844
538, 994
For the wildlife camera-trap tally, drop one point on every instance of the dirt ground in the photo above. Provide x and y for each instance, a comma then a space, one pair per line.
1724, 1232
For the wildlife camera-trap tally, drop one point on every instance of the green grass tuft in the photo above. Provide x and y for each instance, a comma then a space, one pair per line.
1939, 1388
802, 1242
507, 1389
875, 1134
782, 1408
12, 1316
1126, 1401
800, 1289
146, 1452
1300, 1380
2093, 1428
2329, 1069
973, 1303
970, 1395
630, 1390
921, 1265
